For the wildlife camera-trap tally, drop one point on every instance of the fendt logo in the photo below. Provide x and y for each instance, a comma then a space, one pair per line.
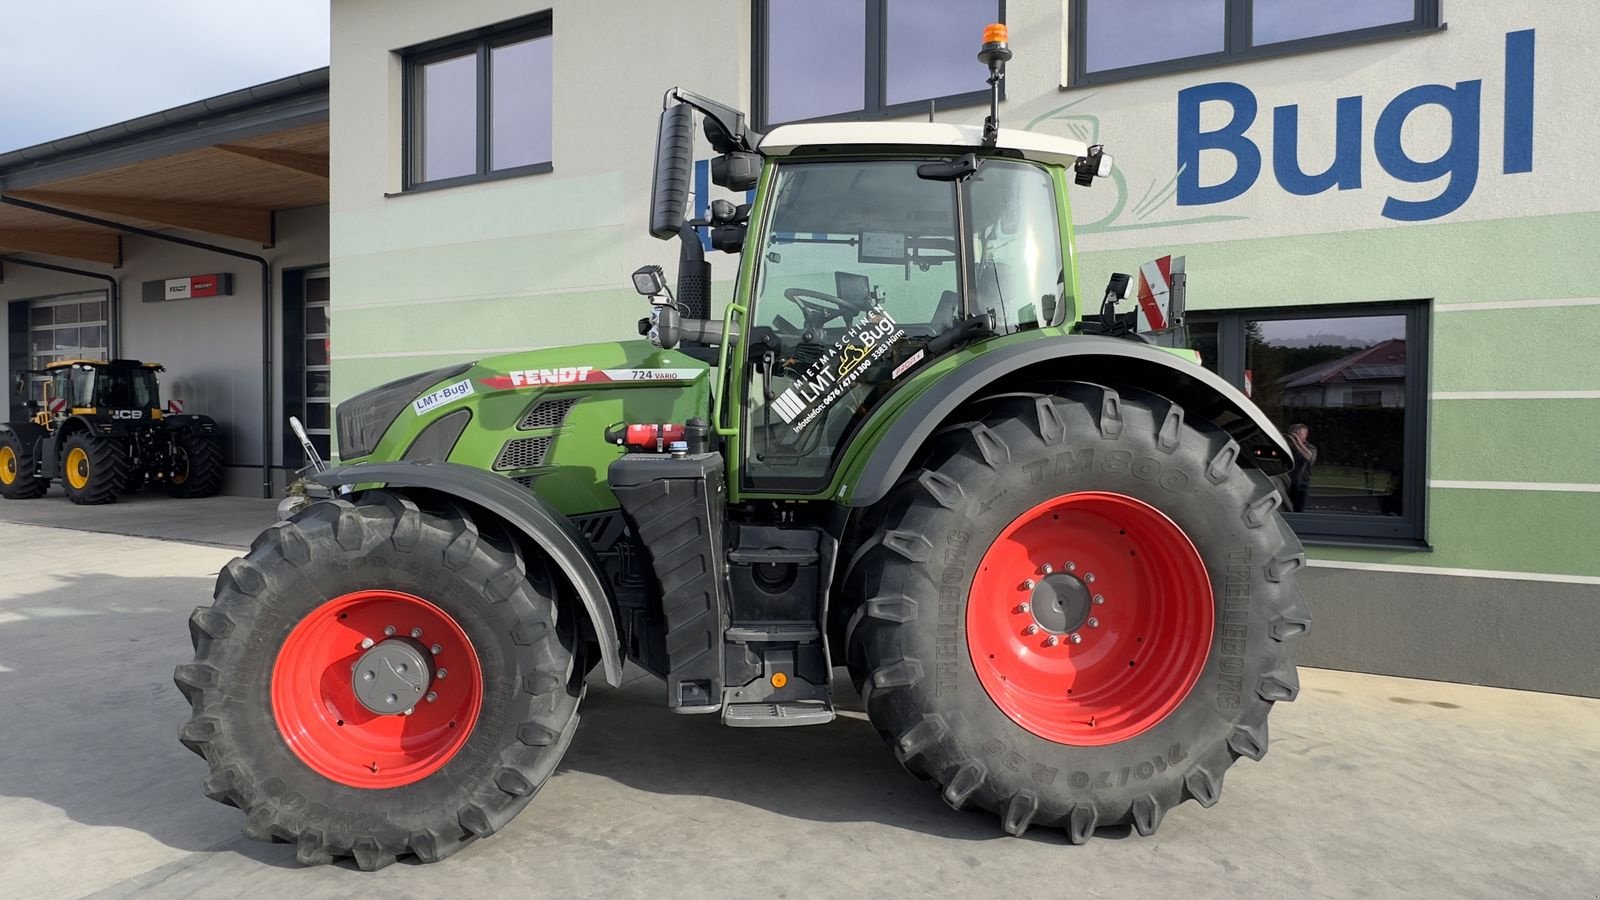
1457, 166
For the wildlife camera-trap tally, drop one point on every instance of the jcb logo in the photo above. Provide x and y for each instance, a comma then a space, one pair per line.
127, 414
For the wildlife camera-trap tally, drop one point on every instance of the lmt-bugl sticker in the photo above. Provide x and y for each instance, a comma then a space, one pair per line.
826, 380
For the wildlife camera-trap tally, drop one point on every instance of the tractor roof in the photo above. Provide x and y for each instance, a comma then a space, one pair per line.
787, 139
98, 363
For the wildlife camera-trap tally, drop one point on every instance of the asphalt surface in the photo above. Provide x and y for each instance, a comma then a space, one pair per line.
1374, 786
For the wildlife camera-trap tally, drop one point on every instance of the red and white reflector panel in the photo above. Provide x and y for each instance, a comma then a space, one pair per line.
1155, 292
175, 407
58, 404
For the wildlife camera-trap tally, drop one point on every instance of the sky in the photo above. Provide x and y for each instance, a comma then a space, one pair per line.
68, 66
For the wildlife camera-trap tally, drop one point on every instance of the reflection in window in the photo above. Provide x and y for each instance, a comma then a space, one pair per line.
1166, 29
815, 58
1285, 20
1336, 387
520, 103
449, 118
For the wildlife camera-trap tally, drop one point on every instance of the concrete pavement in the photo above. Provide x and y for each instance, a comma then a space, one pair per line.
1374, 786
226, 521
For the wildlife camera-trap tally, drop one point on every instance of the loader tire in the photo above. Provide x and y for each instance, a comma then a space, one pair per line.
281, 661
16, 470
1149, 652
93, 469
196, 465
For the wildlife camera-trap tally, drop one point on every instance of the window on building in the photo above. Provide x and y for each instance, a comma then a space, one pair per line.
478, 106
1347, 387
853, 59
1116, 39
65, 328
307, 361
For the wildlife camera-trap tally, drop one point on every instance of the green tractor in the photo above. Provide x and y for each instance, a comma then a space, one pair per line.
102, 431
1046, 550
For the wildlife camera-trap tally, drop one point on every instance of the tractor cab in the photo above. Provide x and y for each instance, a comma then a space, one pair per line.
121, 388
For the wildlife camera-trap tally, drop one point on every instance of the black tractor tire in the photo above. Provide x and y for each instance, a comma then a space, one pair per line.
17, 481
93, 469
909, 641
503, 601
197, 465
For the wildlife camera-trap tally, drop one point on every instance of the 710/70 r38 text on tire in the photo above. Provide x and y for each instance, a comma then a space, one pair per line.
279, 647
1015, 708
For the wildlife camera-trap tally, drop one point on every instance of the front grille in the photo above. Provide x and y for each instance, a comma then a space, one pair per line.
523, 453
546, 414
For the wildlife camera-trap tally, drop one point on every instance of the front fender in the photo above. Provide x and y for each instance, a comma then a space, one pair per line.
518, 508
194, 423
1105, 360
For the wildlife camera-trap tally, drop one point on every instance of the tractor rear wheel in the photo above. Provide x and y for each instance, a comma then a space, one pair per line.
93, 469
16, 470
196, 465
376, 680
1078, 612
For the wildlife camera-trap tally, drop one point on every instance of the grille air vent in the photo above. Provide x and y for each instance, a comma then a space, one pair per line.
546, 414
522, 453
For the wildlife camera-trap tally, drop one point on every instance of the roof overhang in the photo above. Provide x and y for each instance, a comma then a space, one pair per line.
218, 167
787, 140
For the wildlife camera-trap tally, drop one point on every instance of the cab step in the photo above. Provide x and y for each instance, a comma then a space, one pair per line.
777, 715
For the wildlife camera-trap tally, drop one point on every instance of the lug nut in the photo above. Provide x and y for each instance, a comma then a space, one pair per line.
431, 697
366, 676
1099, 599
409, 711
1093, 622
443, 672
1050, 641
1027, 584
416, 632
1075, 638
366, 643
436, 648
1072, 567
1023, 607
1088, 578
1046, 569
1031, 629
388, 631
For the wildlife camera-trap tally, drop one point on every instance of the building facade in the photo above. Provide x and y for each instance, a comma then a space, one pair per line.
1385, 210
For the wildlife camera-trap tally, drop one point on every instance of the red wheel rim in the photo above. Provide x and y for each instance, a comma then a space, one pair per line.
1138, 646
319, 715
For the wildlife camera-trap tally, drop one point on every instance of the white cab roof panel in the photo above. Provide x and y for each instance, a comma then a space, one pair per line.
785, 139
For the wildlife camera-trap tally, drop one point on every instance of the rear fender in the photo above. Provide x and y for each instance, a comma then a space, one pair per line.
1104, 360
504, 499
189, 422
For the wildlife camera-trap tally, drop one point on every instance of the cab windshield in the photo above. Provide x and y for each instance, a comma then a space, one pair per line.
863, 265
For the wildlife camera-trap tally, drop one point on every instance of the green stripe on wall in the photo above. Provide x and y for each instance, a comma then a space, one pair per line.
1515, 531
1517, 440
1504, 259
1550, 348
502, 209
545, 320
574, 259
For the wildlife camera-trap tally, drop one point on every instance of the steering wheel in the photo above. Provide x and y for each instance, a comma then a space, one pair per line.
819, 307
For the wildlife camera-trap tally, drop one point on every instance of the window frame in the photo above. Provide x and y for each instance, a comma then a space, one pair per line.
1238, 42
876, 89
478, 43
1408, 531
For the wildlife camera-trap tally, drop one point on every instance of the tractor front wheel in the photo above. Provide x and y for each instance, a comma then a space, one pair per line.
16, 470
93, 469
1078, 612
196, 465
376, 680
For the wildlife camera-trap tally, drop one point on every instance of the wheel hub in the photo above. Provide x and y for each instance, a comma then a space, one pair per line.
1060, 603
391, 677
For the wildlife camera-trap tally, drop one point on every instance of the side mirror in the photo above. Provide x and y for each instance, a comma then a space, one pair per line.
649, 281
669, 191
736, 171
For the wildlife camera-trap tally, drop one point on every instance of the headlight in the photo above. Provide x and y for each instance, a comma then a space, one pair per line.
365, 417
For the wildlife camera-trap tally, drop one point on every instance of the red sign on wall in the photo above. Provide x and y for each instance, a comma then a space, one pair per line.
188, 287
